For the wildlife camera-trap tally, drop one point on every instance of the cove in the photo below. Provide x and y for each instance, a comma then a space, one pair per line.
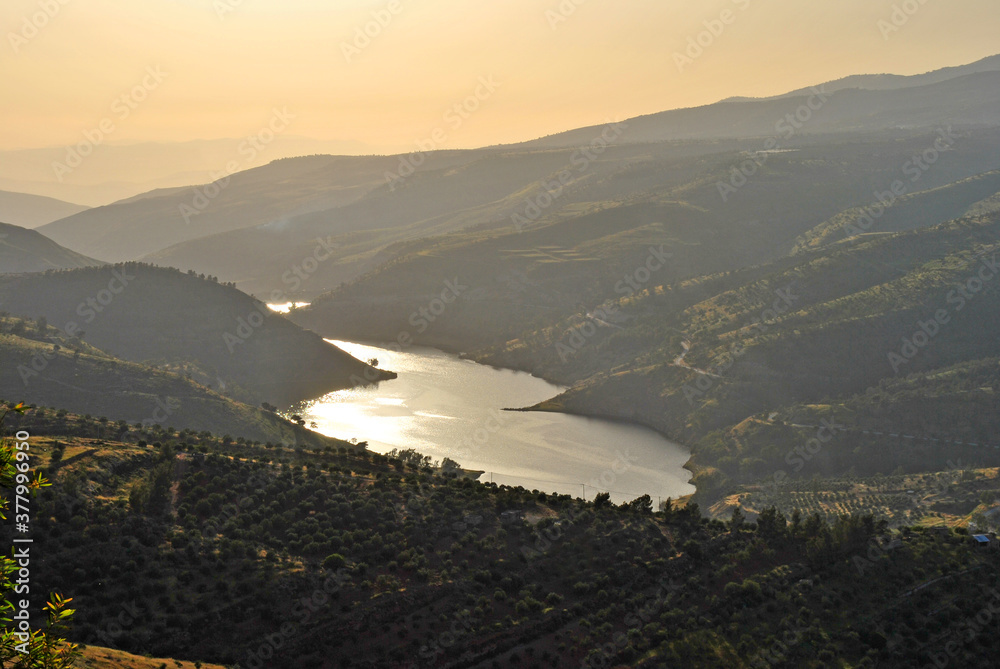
447, 407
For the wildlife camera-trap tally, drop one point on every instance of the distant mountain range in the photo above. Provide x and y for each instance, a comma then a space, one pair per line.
965, 100
117, 171
887, 82
32, 211
255, 226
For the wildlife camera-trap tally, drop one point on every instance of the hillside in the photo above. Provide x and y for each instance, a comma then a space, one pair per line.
32, 211
977, 195
484, 192
24, 250
969, 100
133, 228
592, 246
707, 355
96, 657
42, 365
122, 170
273, 215
883, 82
219, 336
285, 558
502, 192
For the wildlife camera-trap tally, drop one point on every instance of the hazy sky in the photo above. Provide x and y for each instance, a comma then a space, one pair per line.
228, 63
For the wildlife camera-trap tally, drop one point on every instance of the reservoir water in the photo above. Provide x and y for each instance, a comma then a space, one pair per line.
446, 407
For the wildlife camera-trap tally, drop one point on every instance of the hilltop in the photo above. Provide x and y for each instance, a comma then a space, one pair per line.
592, 246
44, 365
253, 227
32, 211
189, 324
24, 250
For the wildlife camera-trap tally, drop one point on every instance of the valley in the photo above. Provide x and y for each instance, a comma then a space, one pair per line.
715, 386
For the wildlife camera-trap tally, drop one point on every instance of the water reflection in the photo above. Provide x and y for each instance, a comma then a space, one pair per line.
443, 407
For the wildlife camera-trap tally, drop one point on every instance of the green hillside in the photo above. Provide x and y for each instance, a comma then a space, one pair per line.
235, 553
973, 196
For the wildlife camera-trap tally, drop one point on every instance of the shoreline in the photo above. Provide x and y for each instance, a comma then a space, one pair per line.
450, 349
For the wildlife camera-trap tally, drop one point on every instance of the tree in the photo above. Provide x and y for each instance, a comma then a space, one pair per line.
602, 499
334, 561
41, 649
643, 504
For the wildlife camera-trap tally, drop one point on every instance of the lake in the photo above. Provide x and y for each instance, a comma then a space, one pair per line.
446, 407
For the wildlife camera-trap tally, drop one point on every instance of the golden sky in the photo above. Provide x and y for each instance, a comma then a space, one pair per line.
560, 64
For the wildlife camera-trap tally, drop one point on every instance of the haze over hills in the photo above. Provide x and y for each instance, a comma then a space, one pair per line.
585, 248
24, 250
349, 199
135, 227
883, 82
32, 211
213, 333
720, 386
444, 201
115, 171
970, 100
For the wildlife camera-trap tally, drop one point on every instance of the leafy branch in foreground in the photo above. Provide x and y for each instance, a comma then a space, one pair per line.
34, 649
